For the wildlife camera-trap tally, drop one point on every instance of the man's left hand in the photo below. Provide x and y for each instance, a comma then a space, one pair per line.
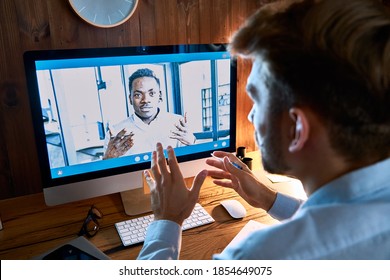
182, 132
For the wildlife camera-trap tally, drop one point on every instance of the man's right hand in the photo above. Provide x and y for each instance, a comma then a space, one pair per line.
171, 199
241, 179
119, 144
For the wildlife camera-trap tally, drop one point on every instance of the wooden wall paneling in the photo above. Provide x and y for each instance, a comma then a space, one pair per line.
167, 25
21, 160
220, 21
237, 16
52, 24
10, 41
69, 31
33, 22
205, 14
245, 130
5, 176
214, 21
189, 20
5, 172
147, 22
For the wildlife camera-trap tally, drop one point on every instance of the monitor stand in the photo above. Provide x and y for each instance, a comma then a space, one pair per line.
136, 201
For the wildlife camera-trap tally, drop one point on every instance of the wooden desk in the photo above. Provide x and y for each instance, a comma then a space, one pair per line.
31, 228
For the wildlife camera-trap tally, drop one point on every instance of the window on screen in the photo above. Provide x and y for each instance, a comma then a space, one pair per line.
79, 104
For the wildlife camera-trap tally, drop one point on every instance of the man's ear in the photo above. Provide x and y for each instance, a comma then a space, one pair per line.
160, 97
300, 130
131, 101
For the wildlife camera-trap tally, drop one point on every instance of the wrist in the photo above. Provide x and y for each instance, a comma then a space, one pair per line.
268, 198
176, 220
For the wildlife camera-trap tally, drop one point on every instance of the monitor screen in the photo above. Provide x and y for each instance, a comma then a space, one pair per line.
98, 113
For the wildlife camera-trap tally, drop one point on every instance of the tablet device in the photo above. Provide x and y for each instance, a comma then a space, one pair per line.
77, 249
69, 252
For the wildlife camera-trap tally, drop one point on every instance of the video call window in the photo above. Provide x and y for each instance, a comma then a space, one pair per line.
80, 103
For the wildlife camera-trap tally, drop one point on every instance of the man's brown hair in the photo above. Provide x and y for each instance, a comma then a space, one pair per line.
334, 57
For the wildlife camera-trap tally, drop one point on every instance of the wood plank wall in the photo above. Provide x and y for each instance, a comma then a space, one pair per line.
51, 24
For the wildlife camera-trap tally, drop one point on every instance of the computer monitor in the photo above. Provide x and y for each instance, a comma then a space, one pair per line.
78, 96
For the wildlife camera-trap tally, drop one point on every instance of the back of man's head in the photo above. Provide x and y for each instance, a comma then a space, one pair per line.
334, 57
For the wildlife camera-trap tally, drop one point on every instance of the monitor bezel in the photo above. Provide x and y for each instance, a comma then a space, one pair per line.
30, 57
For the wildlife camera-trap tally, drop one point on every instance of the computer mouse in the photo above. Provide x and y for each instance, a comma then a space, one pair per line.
234, 208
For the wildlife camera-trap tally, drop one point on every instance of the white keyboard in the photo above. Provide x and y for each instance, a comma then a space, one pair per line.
133, 231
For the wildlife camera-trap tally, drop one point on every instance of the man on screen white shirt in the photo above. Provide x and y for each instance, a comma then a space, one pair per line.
320, 86
148, 125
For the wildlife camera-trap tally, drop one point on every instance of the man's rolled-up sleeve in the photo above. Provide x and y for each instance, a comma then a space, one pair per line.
284, 206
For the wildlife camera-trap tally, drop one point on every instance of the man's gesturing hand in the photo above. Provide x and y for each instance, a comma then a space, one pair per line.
171, 199
182, 132
119, 144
